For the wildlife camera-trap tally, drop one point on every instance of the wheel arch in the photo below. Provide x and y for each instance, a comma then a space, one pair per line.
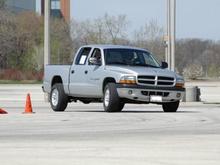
106, 81
56, 79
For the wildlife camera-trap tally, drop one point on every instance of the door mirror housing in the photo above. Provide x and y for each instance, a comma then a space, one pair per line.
164, 65
94, 61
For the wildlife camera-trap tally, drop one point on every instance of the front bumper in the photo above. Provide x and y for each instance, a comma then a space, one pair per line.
145, 93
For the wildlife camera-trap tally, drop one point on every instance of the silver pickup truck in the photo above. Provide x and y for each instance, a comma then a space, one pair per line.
114, 75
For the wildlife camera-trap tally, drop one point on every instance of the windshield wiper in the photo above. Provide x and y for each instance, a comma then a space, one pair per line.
117, 63
146, 65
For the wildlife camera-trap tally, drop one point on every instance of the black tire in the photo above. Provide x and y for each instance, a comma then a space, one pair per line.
115, 104
170, 107
62, 98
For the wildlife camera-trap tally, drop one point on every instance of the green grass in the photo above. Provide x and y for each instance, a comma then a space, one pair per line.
20, 82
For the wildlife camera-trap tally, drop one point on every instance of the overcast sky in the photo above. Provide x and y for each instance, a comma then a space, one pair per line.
195, 18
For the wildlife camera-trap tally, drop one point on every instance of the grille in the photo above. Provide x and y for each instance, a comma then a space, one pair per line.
154, 93
156, 80
148, 80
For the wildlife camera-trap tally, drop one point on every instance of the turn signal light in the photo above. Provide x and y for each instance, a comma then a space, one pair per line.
127, 82
179, 85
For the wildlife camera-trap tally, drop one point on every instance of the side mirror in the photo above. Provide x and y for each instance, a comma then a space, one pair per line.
94, 61
164, 65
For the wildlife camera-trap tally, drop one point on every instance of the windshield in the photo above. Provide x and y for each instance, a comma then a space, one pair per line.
131, 57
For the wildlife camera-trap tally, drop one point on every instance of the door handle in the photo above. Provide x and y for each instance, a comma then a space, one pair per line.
86, 71
72, 71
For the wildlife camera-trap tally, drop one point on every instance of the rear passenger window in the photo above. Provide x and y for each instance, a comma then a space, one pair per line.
82, 56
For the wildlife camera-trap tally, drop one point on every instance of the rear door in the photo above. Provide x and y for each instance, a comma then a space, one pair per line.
78, 73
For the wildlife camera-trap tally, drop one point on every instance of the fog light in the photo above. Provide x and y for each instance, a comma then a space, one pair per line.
130, 92
178, 95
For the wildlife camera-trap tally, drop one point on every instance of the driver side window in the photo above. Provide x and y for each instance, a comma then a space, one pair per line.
97, 54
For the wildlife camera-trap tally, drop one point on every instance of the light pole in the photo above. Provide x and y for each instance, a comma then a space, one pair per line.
46, 32
167, 39
46, 38
171, 33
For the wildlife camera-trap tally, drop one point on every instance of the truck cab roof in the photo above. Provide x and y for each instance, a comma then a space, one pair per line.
108, 46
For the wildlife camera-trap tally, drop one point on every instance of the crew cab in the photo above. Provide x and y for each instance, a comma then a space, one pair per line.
114, 75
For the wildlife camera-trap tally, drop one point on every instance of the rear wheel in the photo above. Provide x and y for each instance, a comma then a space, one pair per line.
111, 100
170, 107
58, 98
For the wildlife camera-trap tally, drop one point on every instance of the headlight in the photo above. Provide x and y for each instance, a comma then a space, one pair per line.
128, 80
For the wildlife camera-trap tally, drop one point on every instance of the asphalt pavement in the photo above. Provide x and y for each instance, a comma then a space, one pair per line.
84, 134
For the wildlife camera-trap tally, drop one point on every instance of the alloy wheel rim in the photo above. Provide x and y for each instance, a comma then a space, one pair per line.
107, 97
55, 97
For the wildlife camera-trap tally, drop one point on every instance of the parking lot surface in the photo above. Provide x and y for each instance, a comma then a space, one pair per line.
84, 134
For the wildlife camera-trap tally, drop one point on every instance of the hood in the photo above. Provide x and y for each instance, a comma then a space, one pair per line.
139, 70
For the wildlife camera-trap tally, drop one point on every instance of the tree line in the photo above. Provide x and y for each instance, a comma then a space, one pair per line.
21, 44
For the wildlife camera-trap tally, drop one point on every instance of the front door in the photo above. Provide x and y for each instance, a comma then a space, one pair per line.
95, 75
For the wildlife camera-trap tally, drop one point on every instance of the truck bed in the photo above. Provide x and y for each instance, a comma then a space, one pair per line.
56, 70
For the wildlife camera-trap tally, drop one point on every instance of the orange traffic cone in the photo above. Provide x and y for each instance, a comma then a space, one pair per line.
3, 111
28, 106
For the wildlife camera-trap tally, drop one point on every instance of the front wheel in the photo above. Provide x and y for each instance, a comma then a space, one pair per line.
58, 98
111, 100
170, 107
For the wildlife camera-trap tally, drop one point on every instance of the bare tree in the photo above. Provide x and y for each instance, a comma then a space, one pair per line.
61, 42
116, 27
104, 30
197, 51
2, 4
150, 37
21, 42
193, 71
149, 32
7, 38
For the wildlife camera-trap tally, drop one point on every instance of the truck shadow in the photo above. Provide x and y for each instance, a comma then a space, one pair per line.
131, 111
137, 111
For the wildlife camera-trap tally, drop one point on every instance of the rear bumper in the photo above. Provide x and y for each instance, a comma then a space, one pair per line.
145, 93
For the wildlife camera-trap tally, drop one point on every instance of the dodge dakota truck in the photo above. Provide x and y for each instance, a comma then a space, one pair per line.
114, 75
